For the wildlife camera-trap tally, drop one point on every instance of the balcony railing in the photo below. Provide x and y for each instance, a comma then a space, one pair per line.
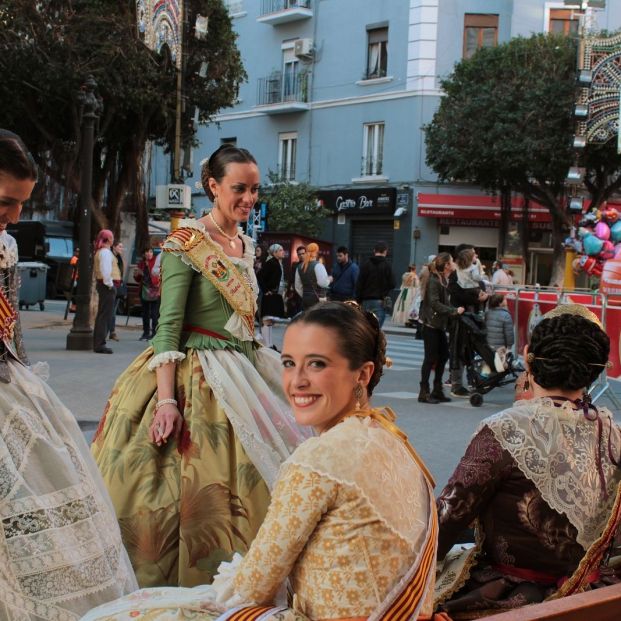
279, 89
275, 12
274, 6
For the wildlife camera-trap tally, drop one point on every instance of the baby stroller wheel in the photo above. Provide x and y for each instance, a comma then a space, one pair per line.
476, 399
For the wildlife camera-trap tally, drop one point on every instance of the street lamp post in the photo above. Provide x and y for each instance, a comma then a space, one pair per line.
80, 336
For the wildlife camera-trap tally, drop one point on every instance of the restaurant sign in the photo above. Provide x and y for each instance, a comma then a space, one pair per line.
370, 201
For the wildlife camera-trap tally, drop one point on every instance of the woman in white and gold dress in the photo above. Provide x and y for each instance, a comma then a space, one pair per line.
351, 529
60, 545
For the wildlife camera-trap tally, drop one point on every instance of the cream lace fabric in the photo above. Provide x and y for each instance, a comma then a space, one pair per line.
60, 547
555, 447
255, 405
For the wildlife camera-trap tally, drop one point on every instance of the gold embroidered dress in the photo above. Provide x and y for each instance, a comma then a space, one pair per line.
60, 546
188, 505
350, 515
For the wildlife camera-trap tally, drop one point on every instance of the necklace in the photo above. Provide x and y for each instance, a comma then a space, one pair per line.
232, 238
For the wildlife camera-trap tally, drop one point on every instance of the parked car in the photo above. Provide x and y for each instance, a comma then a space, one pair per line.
50, 242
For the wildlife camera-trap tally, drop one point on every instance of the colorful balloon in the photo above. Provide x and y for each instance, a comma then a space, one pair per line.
591, 266
602, 230
608, 251
615, 232
592, 245
611, 215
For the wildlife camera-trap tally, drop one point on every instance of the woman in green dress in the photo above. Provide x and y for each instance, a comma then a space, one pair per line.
196, 428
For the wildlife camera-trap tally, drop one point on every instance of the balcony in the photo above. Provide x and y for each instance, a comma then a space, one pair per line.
278, 94
276, 12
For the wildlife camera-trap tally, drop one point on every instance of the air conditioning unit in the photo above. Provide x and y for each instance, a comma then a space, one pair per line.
303, 48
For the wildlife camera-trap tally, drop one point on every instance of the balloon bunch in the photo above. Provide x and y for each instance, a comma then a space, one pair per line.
599, 239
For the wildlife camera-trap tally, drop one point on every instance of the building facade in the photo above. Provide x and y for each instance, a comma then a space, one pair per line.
337, 95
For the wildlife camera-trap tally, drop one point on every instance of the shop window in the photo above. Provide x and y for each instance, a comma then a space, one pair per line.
564, 22
286, 155
480, 30
377, 53
373, 149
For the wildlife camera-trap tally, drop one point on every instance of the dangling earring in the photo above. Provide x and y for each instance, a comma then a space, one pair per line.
358, 395
215, 201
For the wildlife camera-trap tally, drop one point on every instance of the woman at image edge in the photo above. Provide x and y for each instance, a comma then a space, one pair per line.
196, 428
60, 545
356, 537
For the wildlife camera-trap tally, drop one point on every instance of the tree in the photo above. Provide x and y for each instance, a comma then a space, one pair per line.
293, 207
506, 125
47, 49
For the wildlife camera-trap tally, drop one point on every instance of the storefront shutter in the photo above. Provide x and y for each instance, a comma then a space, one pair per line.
365, 234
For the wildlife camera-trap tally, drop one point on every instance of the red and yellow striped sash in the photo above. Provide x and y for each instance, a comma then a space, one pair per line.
250, 613
8, 317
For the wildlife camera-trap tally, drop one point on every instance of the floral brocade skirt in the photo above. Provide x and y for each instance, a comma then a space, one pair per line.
188, 505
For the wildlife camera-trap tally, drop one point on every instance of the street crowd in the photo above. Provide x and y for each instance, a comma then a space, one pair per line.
227, 480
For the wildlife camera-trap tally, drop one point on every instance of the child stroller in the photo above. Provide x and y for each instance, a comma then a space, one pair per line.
469, 347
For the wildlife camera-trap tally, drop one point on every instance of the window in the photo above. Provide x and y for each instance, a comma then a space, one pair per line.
564, 21
372, 149
286, 155
290, 67
479, 31
232, 141
377, 53
234, 6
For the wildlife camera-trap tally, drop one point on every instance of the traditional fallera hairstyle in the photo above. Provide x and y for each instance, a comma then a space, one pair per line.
104, 236
15, 159
568, 349
215, 166
359, 336
312, 250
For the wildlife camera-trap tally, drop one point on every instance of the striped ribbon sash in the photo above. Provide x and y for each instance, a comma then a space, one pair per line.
8, 317
250, 613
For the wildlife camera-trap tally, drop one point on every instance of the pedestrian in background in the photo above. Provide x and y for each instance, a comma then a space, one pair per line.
272, 282
61, 544
375, 283
147, 277
435, 313
106, 272
405, 299
501, 277
344, 277
499, 326
121, 289
311, 278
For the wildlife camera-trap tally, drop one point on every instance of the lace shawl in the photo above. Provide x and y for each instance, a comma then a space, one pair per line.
557, 449
389, 493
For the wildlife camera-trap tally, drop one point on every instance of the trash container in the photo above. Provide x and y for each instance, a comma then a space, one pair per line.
33, 279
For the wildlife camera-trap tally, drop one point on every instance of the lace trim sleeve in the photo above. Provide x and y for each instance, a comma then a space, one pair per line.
164, 358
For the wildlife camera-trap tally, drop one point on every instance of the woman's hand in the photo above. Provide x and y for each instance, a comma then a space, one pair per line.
460, 310
166, 422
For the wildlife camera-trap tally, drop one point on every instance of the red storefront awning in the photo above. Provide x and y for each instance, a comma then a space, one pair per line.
476, 207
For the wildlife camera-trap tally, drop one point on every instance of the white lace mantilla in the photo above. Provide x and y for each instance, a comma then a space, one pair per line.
555, 447
390, 491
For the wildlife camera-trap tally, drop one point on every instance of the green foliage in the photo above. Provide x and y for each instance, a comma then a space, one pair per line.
293, 207
47, 49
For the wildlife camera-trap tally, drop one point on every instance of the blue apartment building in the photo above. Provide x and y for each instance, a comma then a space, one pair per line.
337, 94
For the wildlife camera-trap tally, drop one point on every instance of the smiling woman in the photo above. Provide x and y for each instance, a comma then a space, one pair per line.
60, 545
355, 537
196, 427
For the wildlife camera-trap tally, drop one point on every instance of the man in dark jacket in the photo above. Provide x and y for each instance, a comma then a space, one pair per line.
375, 282
344, 277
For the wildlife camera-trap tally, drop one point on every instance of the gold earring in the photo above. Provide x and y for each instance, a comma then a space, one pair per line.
358, 395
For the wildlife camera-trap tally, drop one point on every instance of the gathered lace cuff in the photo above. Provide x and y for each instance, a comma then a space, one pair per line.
223, 585
164, 358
